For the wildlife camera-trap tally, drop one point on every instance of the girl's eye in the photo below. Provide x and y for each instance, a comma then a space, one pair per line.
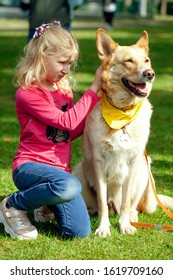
61, 62
65, 62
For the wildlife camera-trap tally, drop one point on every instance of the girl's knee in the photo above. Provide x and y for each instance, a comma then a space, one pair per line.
66, 190
72, 190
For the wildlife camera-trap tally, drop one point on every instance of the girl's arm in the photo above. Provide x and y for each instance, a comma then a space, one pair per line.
37, 105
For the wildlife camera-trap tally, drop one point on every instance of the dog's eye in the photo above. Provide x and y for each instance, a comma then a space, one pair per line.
147, 60
129, 60
112, 68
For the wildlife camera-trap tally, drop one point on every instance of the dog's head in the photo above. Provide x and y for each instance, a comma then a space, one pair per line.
127, 73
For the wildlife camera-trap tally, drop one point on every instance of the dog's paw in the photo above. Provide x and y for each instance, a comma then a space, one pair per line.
134, 216
126, 227
103, 231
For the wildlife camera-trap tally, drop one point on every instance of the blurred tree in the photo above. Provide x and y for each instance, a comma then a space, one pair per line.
163, 9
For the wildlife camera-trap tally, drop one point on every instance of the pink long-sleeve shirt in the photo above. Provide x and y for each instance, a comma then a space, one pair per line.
49, 122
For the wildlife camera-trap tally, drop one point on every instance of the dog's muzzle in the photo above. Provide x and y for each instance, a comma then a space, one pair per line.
140, 89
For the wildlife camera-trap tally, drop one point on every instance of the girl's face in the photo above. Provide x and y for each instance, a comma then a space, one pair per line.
57, 66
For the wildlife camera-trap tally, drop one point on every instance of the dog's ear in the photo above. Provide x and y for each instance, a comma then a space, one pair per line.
105, 44
143, 41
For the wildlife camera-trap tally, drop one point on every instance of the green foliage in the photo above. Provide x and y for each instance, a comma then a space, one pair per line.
145, 244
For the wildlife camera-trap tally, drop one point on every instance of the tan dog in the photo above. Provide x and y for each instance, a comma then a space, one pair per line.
114, 172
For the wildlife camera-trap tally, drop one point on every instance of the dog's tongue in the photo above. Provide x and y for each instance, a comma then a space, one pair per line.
141, 87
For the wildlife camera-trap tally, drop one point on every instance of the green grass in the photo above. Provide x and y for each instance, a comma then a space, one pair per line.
145, 244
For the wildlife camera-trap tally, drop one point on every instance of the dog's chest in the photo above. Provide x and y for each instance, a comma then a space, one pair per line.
119, 146
118, 151
119, 142
112, 142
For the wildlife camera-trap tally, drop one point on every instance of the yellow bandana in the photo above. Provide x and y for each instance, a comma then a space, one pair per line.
117, 118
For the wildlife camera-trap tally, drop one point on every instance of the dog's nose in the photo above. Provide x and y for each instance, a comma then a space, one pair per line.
149, 74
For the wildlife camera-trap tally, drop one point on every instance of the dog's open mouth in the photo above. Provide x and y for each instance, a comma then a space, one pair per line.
138, 89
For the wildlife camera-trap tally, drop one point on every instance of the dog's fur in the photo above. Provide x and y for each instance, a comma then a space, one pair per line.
114, 173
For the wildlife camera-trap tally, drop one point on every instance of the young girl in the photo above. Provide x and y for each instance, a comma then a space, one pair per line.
49, 122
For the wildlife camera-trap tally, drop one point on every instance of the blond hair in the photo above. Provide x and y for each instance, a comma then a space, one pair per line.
31, 69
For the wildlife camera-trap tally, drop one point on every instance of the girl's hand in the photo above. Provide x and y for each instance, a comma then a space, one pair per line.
97, 83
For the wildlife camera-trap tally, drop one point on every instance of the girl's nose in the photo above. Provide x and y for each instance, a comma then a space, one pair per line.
65, 69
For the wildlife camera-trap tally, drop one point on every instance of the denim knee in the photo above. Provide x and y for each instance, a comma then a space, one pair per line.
71, 190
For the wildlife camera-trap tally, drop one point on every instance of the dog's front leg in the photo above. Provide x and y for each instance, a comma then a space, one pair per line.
103, 229
130, 183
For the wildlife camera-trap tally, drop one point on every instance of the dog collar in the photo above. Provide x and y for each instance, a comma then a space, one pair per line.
118, 118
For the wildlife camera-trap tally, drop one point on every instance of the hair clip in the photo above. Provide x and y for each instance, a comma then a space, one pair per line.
40, 29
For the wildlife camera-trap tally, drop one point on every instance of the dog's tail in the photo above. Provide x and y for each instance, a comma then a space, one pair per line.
163, 201
167, 201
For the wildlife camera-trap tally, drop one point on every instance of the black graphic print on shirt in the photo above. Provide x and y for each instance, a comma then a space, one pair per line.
56, 135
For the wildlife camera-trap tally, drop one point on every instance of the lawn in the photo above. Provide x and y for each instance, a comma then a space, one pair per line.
146, 244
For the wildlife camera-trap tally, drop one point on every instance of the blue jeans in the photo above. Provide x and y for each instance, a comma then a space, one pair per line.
40, 184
